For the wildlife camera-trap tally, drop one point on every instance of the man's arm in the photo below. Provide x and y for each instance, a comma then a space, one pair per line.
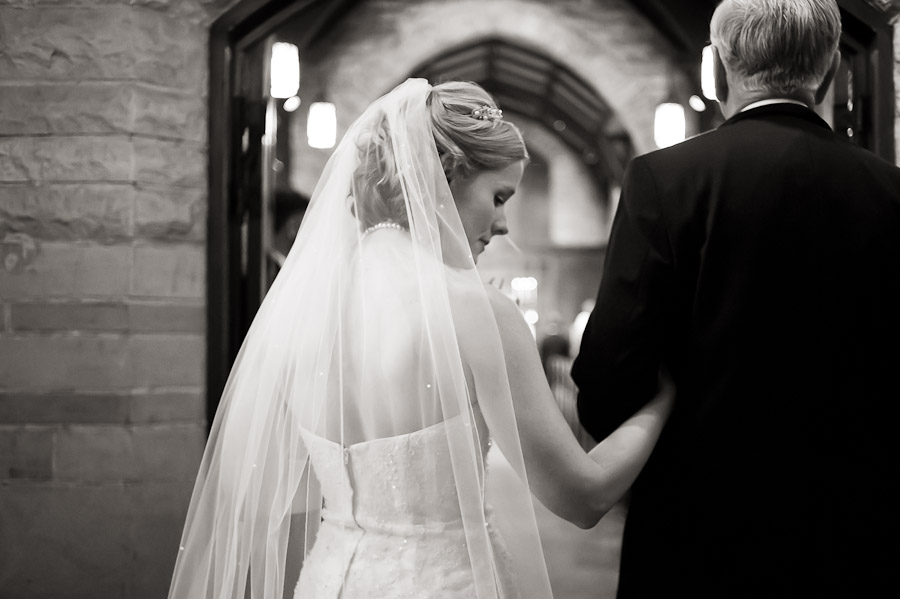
617, 368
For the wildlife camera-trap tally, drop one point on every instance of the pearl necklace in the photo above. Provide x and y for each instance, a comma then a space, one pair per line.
385, 225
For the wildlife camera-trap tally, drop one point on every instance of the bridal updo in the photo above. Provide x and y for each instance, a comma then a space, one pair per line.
466, 144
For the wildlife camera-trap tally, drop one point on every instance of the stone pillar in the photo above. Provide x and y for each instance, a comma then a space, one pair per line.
103, 151
897, 90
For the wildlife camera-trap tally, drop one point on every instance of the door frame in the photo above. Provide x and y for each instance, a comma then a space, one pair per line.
232, 36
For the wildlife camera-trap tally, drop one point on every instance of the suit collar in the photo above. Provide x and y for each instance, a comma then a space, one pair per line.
780, 110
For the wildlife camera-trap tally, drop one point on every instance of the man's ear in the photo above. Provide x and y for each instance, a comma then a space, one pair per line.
822, 90
720, 77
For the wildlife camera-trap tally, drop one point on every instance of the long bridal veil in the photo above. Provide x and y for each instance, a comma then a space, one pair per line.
377, 326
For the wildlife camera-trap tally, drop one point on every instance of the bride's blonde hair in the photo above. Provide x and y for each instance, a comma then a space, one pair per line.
465, 144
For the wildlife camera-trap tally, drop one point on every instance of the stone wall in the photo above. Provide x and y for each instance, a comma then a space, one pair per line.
103, 151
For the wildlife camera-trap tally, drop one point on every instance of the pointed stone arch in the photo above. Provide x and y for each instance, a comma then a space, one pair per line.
530, 83
607, 44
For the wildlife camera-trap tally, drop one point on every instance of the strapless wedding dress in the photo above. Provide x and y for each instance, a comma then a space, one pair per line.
391, 526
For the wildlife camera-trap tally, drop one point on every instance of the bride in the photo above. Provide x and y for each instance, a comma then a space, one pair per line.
352, 433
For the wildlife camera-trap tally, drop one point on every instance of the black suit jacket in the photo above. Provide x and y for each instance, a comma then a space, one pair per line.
760, 265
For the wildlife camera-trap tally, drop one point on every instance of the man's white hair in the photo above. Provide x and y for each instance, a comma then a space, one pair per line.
781, 46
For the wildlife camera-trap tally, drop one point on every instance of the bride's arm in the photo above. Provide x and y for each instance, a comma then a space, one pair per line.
577, 486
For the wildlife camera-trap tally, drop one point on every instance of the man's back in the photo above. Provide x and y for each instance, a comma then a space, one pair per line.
779, 262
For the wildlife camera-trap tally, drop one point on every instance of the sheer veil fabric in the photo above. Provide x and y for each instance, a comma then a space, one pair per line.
366, 334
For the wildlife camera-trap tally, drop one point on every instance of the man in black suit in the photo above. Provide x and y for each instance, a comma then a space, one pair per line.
758, 266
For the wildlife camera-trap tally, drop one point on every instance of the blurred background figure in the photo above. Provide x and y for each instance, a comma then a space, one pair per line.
554, 344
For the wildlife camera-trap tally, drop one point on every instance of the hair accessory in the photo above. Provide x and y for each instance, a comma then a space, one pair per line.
487, 113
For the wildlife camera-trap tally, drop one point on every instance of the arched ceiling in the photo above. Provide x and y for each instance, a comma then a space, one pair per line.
531, 84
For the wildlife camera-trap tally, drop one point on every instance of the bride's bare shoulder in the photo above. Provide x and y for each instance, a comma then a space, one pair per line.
506, 312
475, 304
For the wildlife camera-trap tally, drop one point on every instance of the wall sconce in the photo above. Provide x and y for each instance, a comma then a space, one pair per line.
669, 126
707, 76
697, 103
321, 125
284, 70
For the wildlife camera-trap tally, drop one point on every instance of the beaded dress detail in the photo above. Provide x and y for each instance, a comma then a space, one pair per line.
391, 526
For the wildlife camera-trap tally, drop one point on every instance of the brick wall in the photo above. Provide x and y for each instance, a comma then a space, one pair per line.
102, 290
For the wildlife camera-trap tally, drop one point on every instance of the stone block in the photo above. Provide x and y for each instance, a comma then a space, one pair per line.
199, 11
109, 453
26, 452
103, 42
175, 271
171, 113
95, 453
61, 159
146, 317
68, 269
67, 108
168, 360
90, 108
168, 406
171, 52
69, 316
74, 407
65, 540
43, 363
148, 406
99, 316
101, 212
168, 452
58, 363
170, 213
169, 162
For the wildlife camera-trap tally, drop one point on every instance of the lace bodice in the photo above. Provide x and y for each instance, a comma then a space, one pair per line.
391, 525
389, 484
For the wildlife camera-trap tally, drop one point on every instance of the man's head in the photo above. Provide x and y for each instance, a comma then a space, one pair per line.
774, 49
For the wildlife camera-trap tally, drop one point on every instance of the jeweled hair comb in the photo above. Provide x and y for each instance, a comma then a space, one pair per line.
487, 113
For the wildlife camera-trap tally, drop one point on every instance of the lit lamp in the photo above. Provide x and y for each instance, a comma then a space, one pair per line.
292, 104
284, 70
697, 103
669, 126
321, 125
